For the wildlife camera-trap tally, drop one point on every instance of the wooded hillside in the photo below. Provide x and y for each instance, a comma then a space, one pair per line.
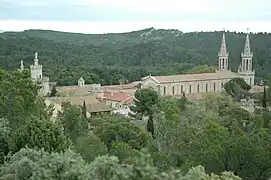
111, 58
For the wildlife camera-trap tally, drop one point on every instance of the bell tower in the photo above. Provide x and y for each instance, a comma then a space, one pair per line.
223, 55
36, 69
245, 70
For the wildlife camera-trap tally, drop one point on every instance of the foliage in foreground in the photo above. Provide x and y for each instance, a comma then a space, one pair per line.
38, 165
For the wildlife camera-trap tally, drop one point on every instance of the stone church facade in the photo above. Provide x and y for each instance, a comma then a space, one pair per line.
194, 84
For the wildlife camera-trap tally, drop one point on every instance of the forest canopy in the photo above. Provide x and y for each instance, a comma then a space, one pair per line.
126, 57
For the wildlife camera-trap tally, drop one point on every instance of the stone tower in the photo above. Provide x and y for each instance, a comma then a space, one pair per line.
36, 69
36, 76
223, 55
245, 70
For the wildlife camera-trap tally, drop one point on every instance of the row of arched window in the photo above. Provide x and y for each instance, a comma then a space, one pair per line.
207, 89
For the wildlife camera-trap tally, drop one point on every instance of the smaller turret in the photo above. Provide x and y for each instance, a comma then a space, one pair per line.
22, 65
81, 82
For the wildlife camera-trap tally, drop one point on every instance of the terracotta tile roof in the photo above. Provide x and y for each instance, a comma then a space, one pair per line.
93, 105
118, 96
121, 86
192, 77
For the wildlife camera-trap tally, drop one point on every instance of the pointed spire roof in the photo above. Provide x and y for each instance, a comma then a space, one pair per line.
36, 60
223, 48
247, 50
81, 79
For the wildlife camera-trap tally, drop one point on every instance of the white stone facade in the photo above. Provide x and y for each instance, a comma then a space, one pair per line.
190, 84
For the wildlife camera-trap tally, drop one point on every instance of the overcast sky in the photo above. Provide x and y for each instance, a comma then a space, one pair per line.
103, 16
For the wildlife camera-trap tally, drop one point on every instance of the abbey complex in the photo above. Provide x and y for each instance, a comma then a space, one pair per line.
196, 84
120, 97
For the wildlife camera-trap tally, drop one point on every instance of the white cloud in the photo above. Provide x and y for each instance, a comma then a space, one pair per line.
114, 27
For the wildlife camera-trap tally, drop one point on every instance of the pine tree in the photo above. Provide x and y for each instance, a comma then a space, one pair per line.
264, 102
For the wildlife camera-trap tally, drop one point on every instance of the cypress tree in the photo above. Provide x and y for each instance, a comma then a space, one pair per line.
84, 109
264, 102
53, 92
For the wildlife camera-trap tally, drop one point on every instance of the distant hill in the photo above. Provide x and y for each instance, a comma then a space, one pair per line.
115, 57
119, 39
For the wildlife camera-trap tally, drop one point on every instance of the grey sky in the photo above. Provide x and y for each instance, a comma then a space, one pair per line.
209, 12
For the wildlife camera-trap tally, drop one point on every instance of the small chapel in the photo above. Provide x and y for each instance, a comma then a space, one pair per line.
198, 84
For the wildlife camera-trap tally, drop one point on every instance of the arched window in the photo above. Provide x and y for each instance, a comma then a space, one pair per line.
222, 85
198, 88
250, 81
164, 90
206, 87
190, 89
182, 89
173, 90
214, 86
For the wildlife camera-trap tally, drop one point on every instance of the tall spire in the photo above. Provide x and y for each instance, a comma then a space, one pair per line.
223, 48
246, 70
223, 55
247, 51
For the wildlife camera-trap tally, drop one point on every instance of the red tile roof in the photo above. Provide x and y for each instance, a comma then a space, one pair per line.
121, 86
118, 96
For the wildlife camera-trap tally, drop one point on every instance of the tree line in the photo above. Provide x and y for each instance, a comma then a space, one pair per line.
126, 57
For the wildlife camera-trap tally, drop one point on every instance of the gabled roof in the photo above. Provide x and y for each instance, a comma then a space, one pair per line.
192, 77
121, 86
92, 104
119, 97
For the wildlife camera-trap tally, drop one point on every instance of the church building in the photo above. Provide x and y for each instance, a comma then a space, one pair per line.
196, 84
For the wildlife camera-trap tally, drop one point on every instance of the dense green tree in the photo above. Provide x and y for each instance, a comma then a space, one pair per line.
53, 91
119, 130
32, 164
123, 151
90, 146
5, 131
73, 121
145, 100
17, 97
40, 134
237, 88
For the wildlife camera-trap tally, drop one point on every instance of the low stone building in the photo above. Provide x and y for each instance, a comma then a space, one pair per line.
94, 106
119, 101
